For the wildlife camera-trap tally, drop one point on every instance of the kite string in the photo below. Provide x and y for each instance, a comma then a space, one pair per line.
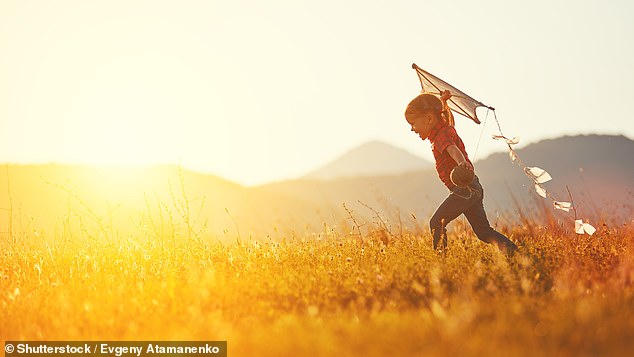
475, 154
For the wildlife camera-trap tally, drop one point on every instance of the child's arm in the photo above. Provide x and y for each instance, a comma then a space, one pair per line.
457, 156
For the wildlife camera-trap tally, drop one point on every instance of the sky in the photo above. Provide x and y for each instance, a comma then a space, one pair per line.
259, 91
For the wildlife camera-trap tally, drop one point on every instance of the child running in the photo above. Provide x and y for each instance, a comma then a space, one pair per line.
431, 119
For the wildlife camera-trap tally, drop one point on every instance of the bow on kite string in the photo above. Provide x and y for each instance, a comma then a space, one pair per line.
461, 103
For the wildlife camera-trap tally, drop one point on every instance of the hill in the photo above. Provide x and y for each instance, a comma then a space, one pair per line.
598, 169
370, 159
121, 200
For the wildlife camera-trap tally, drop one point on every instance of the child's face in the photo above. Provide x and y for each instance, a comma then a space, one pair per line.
422, 123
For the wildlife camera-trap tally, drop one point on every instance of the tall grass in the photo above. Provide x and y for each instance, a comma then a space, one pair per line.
372, 288
329, 293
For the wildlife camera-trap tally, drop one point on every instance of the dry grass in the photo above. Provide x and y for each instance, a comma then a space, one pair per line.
328, 294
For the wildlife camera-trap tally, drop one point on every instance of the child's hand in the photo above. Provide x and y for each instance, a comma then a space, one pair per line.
466, 164
445, 95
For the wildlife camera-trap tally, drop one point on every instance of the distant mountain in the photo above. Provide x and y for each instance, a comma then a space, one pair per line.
370, 159
598, 170
62, 199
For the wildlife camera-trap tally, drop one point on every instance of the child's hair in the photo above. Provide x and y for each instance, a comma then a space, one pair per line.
427, 102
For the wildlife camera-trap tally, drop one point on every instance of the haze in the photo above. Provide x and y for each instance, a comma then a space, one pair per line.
259, 91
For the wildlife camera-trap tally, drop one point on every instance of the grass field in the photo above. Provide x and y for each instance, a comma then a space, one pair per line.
328, 293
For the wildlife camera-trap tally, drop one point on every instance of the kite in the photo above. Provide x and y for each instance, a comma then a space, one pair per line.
462, 104
459, 101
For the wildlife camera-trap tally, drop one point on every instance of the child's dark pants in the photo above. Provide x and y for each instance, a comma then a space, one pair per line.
467, 201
